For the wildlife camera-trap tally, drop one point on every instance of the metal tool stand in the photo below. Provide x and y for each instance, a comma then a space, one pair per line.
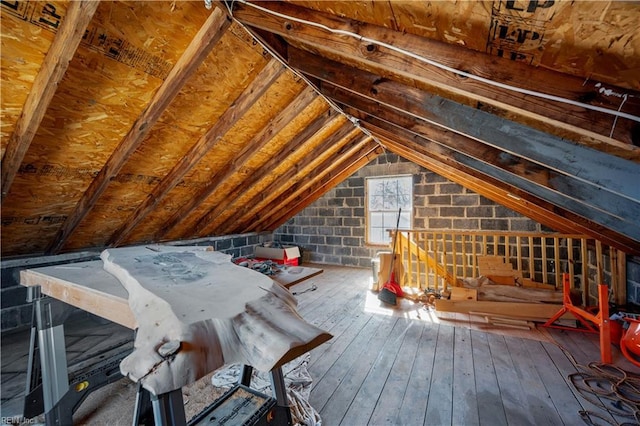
47, 343
283, 412
48, 386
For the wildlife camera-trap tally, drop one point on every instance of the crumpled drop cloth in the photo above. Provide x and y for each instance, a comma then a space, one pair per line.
297, 382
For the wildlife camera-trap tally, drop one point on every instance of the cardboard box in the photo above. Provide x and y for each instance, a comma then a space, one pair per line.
285, 255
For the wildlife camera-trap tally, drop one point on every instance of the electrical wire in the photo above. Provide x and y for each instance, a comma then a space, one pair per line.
330, 102
442, 66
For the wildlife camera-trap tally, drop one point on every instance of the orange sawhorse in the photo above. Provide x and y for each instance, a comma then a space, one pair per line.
601, 320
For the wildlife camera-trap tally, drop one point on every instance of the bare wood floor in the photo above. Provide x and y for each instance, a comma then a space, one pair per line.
407, 366
402, 366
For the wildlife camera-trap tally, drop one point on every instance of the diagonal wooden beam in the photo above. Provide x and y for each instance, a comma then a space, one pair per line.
210, 139
536, 207
605, 172
53, 69
207, 221
346, 167
596, 184
287, 181
299, 191
199, 48
259, 141
576, 194
574, 122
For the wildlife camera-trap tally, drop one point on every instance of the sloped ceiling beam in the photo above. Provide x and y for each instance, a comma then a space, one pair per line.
258, 203
488, 180
298, 192
259, 141
199, 48
346, 167
588, 127
604, 190
207, 222
208, 141
53, 69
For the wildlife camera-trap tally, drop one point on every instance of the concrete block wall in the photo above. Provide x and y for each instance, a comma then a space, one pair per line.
332, 230
15, 312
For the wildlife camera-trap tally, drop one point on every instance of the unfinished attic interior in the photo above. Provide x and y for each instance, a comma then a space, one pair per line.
430, 208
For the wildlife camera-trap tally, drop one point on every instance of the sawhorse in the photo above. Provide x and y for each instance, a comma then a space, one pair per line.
49, 389
601, 320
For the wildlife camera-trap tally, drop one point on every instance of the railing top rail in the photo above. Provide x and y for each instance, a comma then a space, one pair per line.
498, 233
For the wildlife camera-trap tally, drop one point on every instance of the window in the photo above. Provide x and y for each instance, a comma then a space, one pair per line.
385, 196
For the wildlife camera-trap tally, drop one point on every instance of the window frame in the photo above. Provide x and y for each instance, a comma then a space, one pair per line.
368, 211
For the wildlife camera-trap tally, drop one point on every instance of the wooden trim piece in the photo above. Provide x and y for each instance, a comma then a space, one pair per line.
199, 48
540, 311
582, 125
52, 71
259, 141
227, 120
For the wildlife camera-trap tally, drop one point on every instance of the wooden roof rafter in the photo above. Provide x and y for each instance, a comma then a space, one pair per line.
199, 48
207, 222
270, 73
590, 200
552, 163
404, 142
300, 191
52, 71
264, 199
588, 127
259, 141
348, 166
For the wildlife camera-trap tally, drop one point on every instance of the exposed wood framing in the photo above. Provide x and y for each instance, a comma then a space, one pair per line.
427, 115
368, 153
201, 45
427, 154
238, 108
258, 142
297, 193
44, 87
259, 202
540, 181
588, 127
294, 144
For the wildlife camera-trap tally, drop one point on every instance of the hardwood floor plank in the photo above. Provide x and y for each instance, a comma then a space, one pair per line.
388, 408
338, 404
440, 403
325, 386
537, 399
369, 393
511, 390
559, 390
414, 404
343, 334
465, 403
490, 406
566, 366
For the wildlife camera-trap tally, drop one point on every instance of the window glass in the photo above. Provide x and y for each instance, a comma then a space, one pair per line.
385, 196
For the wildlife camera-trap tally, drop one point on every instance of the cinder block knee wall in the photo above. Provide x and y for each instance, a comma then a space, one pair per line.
332, 230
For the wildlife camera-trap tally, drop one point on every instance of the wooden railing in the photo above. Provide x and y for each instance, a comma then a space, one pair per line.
436, 260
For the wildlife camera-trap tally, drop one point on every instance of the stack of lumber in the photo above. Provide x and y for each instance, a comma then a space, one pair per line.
500, 297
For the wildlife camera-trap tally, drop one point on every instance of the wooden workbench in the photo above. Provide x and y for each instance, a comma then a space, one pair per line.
220, 313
